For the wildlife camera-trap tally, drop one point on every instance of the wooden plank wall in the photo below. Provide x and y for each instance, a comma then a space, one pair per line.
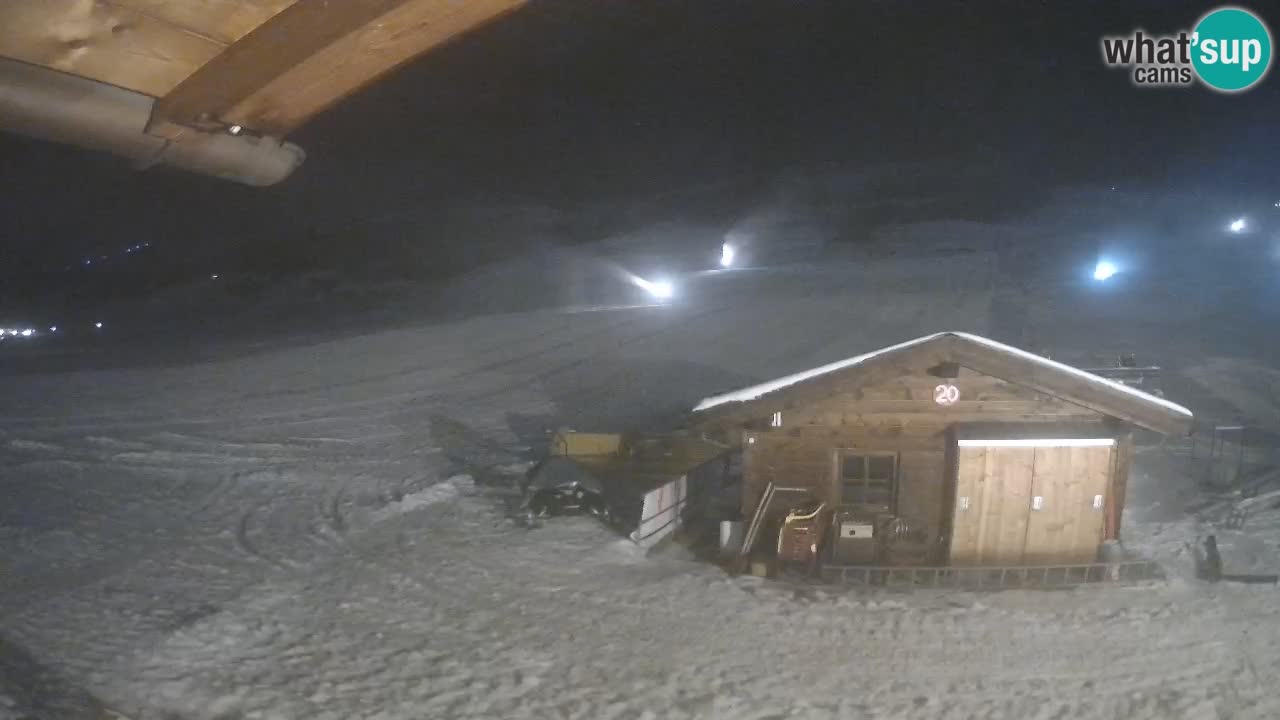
1084, 390
898, 415
909, 399
993, 529
807, 458
966, 530
788, 461
922, 493
1119, 489
1068, 528
1000, 526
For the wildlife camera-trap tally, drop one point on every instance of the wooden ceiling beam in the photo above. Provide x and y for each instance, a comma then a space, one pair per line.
107, 42
222, 21
308, 57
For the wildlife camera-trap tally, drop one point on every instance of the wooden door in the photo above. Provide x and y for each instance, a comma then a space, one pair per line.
1072, 485
1030, 504
993, 495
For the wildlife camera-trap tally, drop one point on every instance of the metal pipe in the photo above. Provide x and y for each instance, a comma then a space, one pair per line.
70, 109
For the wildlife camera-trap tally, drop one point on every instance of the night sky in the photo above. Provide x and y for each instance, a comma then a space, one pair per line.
570, 104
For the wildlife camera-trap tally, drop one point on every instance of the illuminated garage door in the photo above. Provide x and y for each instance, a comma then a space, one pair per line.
1030, 502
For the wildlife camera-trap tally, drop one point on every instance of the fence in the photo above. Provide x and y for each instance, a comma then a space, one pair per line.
1224, 455
1035, 576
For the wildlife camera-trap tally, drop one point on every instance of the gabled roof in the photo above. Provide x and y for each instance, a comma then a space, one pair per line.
976, 353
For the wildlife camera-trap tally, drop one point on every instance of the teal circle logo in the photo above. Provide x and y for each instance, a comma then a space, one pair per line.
1231, 49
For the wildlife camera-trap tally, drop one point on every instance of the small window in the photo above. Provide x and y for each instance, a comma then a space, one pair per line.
868, 482
776, 421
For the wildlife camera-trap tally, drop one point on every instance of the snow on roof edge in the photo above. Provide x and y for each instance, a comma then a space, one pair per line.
1097, 379
756, 391
764, 388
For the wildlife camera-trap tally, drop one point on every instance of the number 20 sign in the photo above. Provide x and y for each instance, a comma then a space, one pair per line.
946, 394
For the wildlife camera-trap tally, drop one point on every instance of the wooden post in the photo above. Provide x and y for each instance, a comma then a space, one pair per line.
1119, 484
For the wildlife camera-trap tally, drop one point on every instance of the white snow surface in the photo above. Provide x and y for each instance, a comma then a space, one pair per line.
755, 391
296, 534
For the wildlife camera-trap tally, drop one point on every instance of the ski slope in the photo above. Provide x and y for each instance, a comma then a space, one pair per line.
320, 531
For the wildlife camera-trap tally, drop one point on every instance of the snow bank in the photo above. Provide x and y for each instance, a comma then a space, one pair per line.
443, 492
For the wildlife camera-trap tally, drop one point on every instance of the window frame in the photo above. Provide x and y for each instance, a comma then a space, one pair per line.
838, 477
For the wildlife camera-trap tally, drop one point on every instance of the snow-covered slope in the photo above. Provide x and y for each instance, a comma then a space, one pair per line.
296, 533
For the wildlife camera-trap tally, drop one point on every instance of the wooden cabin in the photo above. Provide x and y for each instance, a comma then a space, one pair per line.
950, 449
